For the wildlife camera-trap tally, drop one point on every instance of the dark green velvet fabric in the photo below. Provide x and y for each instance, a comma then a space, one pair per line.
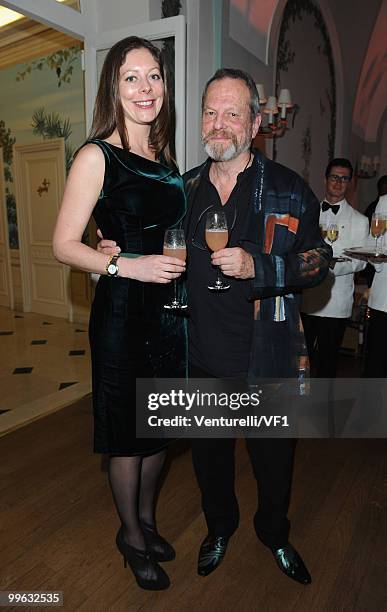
131, 334
140, 199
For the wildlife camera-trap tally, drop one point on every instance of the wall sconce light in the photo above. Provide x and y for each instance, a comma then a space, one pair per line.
277, 112
368, 168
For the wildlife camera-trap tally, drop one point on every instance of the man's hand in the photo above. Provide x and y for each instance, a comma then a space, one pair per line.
107, 247
234, 262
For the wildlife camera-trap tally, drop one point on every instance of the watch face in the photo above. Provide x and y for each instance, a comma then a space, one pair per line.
112, 269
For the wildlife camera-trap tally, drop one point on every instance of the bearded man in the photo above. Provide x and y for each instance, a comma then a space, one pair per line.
252, 329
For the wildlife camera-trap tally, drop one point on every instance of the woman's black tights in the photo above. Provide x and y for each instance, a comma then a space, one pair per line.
133, 481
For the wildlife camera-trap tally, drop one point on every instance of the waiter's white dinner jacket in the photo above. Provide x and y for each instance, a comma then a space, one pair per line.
378, 293
334, 296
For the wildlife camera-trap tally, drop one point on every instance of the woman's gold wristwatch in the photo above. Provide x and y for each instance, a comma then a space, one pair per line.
111, 266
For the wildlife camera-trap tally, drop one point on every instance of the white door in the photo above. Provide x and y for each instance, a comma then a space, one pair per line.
158, 32
39, 183
6, 287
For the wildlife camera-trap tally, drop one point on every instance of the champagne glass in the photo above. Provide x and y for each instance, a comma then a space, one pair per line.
323, 230
378, 227
384, 219
174, 246
216, 239
332, 233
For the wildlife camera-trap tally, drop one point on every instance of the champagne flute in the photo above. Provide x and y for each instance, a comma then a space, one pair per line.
323, 230
216, 239
174, 246
332, 233
378, 227
384, 219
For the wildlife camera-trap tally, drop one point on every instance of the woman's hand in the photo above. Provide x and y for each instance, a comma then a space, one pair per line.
146, 268
151, 268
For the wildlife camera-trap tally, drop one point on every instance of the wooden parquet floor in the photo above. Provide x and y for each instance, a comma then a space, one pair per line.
58, 527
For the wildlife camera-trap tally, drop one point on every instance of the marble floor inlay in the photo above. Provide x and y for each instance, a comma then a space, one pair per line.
64, 385
44, 366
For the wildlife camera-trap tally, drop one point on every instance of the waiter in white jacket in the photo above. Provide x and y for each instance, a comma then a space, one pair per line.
326, 308
376, 352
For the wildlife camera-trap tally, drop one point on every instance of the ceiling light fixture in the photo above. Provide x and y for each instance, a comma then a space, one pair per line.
8, 16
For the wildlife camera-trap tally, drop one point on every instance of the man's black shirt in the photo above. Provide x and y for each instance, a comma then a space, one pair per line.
221, 322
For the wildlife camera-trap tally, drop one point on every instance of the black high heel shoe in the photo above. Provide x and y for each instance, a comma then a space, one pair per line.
148, 574
159, 547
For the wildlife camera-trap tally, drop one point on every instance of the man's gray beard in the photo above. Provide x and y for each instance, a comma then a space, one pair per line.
219, 154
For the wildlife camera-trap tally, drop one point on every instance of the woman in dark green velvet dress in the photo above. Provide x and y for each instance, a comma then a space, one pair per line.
124, 175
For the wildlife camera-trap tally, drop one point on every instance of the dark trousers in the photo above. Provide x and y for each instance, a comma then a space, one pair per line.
376, 352
272, 463
323, 336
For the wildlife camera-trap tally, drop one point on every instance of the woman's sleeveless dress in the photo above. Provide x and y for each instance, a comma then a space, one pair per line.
131, 334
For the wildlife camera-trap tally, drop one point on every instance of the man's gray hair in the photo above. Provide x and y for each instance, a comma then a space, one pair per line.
241, 75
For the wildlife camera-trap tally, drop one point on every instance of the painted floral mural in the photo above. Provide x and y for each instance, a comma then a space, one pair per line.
43, 98
305, 65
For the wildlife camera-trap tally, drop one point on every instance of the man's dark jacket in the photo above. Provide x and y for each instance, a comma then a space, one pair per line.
289, 255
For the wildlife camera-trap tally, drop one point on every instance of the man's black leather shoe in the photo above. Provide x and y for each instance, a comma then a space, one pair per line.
211, 553
291, 564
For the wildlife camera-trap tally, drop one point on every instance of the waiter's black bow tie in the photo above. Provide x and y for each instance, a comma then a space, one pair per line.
334, 207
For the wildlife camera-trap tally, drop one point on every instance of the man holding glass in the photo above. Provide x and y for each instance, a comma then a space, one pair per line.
249, 327
327, 308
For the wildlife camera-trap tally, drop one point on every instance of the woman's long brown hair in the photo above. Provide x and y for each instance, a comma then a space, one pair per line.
108, 111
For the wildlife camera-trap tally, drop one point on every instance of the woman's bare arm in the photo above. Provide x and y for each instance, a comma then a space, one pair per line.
83, 187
